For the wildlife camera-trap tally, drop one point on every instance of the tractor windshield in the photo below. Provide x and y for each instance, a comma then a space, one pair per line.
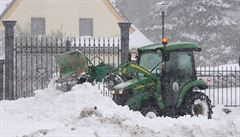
149, 60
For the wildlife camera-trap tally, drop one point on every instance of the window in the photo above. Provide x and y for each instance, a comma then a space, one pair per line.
151, 60
38, 26
180, 65
86, 27
185, 62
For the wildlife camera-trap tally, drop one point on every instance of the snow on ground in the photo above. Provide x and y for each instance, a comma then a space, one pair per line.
52, 113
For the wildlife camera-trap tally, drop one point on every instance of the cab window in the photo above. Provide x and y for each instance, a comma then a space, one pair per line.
150, 60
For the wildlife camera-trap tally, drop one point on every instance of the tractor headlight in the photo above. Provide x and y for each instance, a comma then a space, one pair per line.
120, 91
113, 91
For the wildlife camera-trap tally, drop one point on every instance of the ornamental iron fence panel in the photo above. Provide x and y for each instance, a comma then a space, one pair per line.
224, 84
35, 63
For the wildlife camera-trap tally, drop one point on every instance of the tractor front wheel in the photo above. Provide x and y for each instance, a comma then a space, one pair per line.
148, 109
195, 104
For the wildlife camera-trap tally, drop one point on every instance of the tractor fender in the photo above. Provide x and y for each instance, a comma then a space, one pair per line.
188, 87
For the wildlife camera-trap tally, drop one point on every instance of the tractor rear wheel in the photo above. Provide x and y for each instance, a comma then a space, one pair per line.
195, 104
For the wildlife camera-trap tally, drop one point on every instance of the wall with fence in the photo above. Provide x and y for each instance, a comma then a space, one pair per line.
29, 64
35, 64
29, 61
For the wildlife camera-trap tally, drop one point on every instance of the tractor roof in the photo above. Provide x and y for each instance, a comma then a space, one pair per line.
172, 46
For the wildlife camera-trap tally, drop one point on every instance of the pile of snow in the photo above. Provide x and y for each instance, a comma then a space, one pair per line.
85, 112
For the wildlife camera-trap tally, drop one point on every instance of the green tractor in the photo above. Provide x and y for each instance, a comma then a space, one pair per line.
162, 82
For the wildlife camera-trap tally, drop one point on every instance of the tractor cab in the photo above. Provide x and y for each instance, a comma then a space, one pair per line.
172, 59
172, 64
162, 81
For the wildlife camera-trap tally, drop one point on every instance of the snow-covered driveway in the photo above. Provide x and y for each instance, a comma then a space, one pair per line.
52, 113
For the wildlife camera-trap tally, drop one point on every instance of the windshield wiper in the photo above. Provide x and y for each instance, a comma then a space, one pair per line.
156, 66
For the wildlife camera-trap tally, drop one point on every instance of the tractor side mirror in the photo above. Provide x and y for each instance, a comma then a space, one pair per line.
132, 56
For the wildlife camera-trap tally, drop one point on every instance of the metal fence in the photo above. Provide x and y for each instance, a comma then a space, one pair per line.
224, 84
29, 64
35, 64
29, 61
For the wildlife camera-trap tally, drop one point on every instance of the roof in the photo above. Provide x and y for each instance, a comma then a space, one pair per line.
138, 39
171, 46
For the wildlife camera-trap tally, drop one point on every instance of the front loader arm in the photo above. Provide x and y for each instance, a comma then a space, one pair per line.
147, 77
128, 68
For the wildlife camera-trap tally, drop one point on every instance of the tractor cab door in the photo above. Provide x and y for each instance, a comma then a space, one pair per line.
179, 71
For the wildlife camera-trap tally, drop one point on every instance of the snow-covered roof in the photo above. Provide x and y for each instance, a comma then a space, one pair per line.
4, 5
137, 39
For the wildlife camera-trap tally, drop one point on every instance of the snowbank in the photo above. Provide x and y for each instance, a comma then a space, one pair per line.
85, 112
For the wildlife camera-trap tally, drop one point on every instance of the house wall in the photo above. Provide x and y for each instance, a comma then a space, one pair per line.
63, 16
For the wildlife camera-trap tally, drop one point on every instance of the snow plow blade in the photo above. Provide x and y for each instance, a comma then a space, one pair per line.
72, 65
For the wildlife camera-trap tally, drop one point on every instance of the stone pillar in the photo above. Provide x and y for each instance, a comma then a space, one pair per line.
1, 79
9, 59
124, 26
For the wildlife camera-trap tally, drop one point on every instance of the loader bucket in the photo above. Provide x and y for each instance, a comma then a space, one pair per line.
72, 64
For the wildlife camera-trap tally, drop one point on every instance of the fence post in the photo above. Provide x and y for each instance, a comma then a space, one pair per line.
1, 79
9, 59
68, 44
124, 26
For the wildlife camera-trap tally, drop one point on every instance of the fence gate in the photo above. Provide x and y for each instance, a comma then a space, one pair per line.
29, 61
35, 58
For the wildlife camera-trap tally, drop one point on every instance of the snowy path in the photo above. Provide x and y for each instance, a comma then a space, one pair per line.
52, 113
